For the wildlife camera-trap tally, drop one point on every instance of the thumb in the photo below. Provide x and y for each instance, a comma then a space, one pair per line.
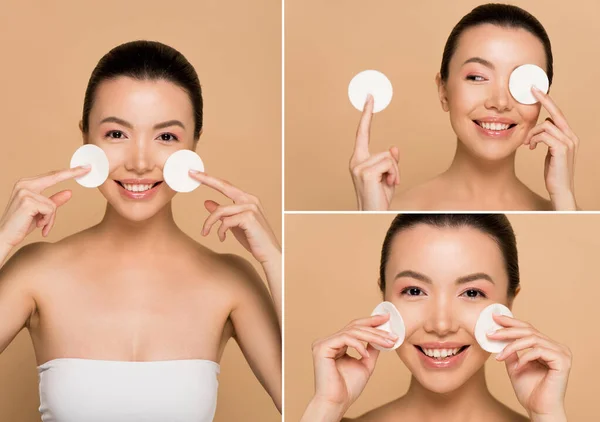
510, 362
372, 359
395, 153
61, 197
211, 205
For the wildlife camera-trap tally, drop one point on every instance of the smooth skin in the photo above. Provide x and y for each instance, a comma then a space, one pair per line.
135, 287
482, 174
442, 309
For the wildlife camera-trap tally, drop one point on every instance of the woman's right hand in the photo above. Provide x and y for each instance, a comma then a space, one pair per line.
374, 176
27, 208
340, 378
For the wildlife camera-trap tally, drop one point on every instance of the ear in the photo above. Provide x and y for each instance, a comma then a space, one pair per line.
442, 92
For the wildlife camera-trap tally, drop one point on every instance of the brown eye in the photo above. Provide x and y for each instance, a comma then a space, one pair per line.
168, 137
115, 134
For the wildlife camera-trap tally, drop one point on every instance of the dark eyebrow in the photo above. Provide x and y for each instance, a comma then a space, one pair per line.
121, 122
169, 123
461, 280
479, 60
474, 277
130, 126
413, 274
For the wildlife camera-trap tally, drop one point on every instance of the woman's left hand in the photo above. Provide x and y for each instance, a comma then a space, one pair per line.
559, 168
244, 218
539, 375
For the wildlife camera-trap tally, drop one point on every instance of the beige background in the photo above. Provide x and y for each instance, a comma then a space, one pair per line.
332, 266
328, 42
50, 50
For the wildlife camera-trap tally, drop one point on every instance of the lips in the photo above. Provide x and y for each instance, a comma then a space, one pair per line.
496, 130
441, 356
138, 188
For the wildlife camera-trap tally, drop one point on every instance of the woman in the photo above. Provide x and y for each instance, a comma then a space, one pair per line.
440, 271
130, 318
480, 54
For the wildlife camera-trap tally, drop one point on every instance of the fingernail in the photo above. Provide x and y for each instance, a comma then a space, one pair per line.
86, 166
194, 171
390, 341
393, 336
491, 332
498, 356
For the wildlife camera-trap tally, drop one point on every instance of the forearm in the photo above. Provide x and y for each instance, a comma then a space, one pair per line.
318, 411
272, 269
5, 249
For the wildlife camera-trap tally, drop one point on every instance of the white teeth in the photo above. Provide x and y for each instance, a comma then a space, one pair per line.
494, 126
137, 188
441, 353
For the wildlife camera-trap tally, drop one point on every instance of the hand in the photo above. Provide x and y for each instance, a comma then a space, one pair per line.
374, 176
27, 208
340, 378
244, 218
539, 375
559, 169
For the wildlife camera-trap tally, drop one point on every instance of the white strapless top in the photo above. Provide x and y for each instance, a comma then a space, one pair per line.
86, 390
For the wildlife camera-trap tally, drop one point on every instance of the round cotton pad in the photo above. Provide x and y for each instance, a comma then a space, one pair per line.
177, 167
485, 324
393, 325
370, 82
523, 78
94, 156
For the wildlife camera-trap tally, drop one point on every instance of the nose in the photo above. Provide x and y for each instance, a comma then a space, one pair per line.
499, 98
138, 157
440, 320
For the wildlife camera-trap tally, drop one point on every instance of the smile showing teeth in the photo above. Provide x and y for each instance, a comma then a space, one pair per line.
441, 353
136, 188
494, 126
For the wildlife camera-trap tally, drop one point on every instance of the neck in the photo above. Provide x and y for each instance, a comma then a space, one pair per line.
474, 176
465, 403
121, 233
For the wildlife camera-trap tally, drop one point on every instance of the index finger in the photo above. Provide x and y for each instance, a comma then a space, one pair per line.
222, 186
40, 183
364, 129
555, 113
372, 321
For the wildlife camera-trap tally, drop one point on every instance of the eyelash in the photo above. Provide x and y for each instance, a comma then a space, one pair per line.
111, 132
473, 78
407, 290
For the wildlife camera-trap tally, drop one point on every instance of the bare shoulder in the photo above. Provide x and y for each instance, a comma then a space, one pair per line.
385, 413
27, 259
419, 197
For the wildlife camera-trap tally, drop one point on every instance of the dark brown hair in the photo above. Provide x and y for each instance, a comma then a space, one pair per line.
146, 60
503, 15
496, 226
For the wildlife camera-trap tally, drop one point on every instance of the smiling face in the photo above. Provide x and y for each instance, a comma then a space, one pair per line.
440, 279
488, 121
139, 124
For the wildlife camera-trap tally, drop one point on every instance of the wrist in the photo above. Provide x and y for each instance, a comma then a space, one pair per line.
564, 202
557, 416
321, 410
272, 260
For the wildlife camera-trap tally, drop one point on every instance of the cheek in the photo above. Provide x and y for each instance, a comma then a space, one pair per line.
529, 114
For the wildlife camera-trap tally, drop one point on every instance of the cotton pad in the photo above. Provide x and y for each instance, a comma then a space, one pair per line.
94, 156
177, 167
486, 324
394, 325
370, 82
523, 78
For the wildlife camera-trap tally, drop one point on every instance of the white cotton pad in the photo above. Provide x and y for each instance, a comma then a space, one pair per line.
374, 83
485, 324
523, 78
393, 325
177, 167
94, 156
